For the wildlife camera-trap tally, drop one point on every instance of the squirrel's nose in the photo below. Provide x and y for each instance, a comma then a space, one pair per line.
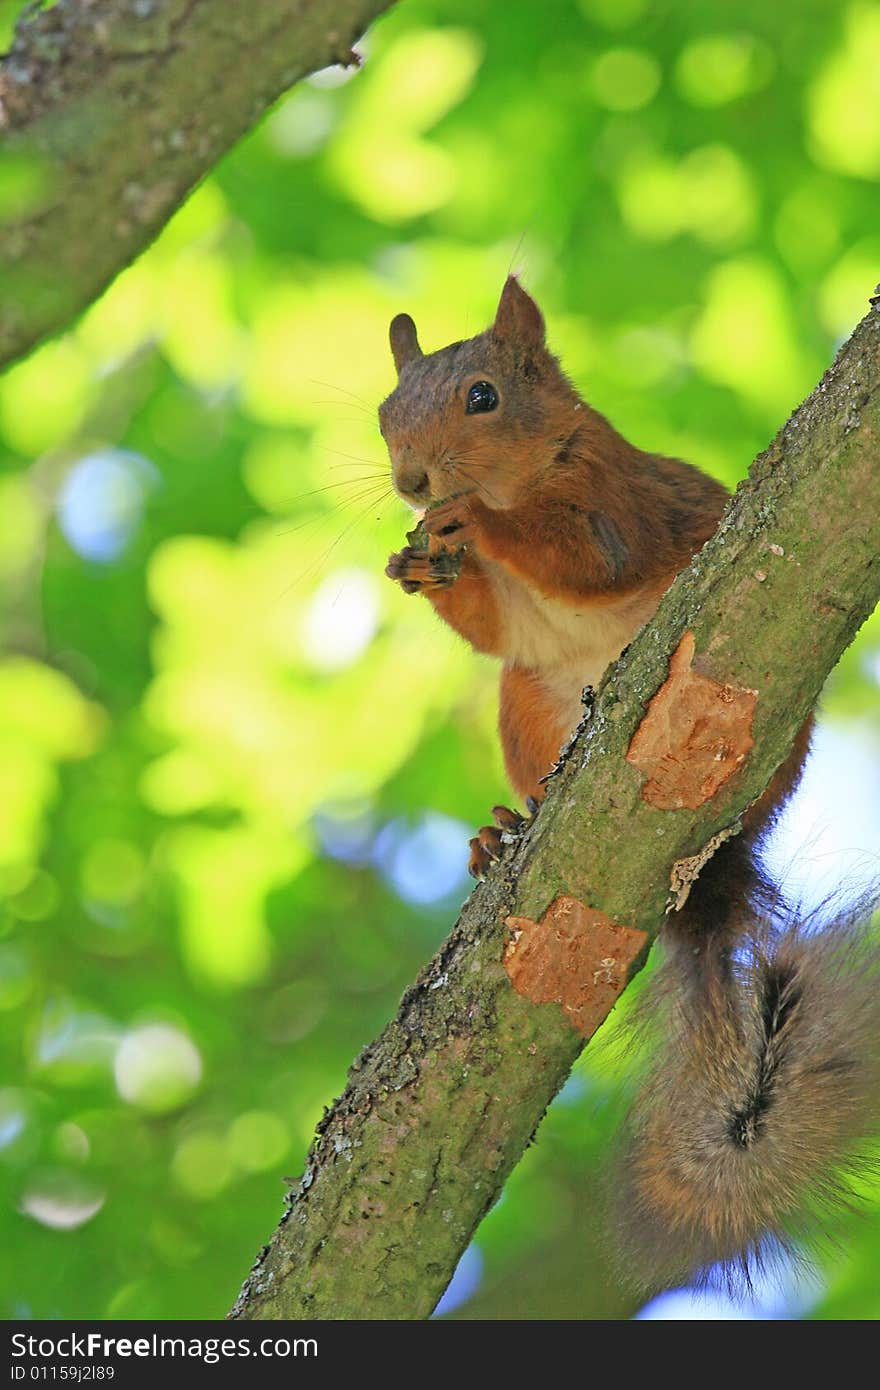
413, 484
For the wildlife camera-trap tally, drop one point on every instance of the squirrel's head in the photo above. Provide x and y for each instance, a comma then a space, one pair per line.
483, 415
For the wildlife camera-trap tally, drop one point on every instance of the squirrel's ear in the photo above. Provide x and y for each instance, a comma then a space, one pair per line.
404, 341
518, 319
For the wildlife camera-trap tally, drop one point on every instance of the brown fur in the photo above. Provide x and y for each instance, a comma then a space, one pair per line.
764, 1080
471, 608
572, 533
766, 1054
532, 731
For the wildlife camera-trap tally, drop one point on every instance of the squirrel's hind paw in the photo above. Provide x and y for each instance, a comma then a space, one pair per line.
486, 847
488, 844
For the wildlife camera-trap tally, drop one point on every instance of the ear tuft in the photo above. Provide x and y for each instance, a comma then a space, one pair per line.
518, 320
404, 341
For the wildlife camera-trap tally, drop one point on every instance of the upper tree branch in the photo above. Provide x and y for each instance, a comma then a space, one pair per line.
112, 110
438, 1110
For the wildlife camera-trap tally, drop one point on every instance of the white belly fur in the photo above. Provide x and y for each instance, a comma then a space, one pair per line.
569, 645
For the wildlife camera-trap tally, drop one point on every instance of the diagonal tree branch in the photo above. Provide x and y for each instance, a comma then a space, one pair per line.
112, 110
441, 1106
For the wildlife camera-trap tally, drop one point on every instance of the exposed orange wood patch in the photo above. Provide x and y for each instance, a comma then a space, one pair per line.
694, 736
575, 957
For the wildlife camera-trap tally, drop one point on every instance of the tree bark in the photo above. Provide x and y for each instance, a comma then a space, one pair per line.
440, 1107
112, 110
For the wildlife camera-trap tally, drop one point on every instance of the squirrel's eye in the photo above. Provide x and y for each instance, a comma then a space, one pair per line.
481, 397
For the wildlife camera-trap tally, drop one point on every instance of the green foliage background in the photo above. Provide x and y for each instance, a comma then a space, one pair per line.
191, 724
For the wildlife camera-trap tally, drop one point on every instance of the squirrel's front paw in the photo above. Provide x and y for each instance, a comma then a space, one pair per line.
455, 521
416, 569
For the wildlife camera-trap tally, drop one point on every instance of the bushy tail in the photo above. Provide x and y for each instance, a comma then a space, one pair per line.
764, 1087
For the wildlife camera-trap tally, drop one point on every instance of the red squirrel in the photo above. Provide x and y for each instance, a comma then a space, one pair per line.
766, 1064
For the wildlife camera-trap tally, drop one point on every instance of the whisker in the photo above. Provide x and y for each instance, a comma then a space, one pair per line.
466, 456
343, 390
322, 559
363, 414
374, 477
336, 484
366, 409
371, 494
481, 486
350, 422
356, 458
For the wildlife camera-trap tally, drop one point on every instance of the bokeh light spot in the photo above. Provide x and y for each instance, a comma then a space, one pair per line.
44, 398
808, 226
843, 297
843, 105
301, 124
258, 1140
102, 500
427, 863
346, 831
386, 165
61, 1199
201, 1165
341, 619
717, 68
650, 197
157, 1067
112, 872
625, 79
269, 469
719, 195
223, 879
746, 340
72, 1043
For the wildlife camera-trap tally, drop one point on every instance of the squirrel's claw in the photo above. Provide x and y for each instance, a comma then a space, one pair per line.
485, 849
506, 819
488, 844
415, 570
